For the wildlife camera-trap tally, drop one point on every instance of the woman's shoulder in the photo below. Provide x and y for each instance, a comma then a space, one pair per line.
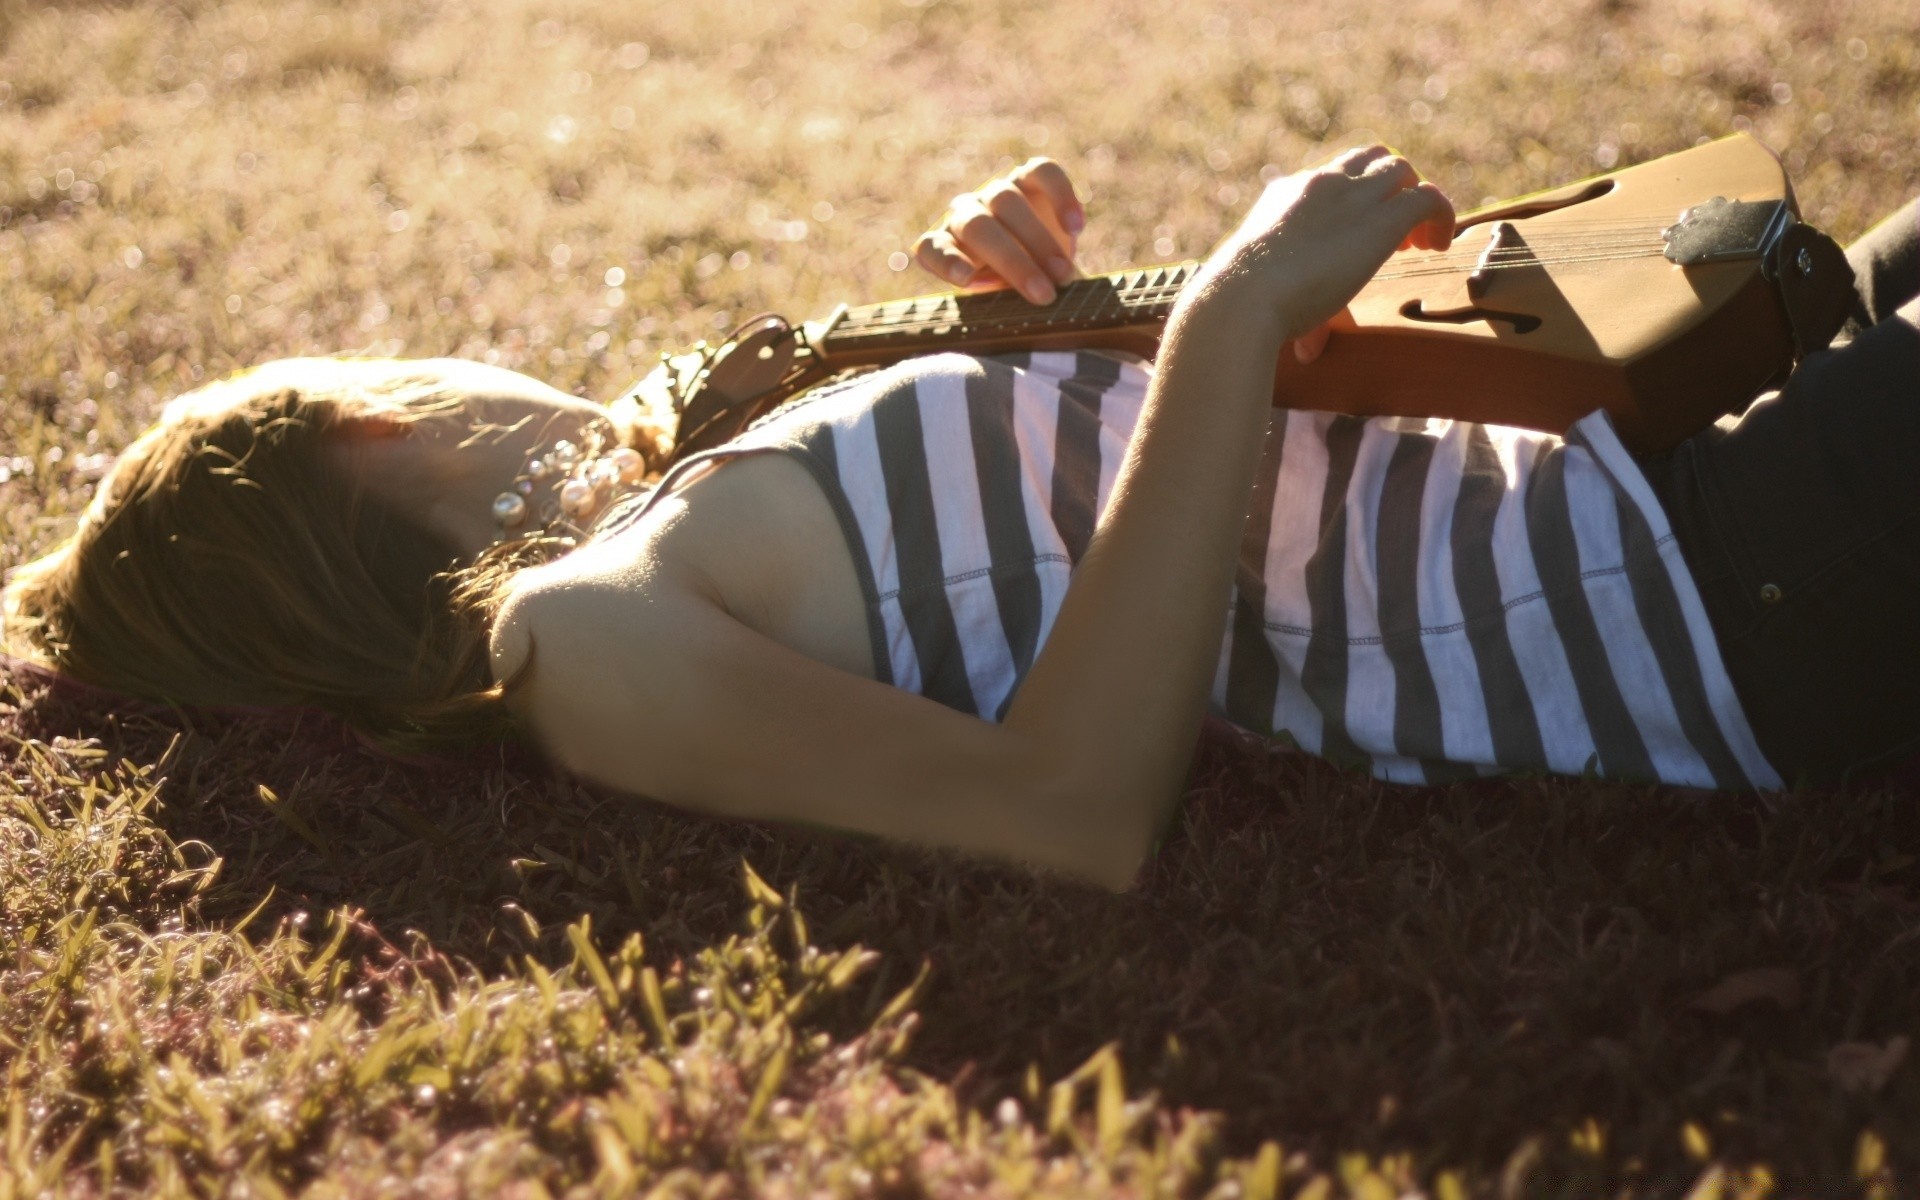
599, 631
539, 599
753, 537
510, 637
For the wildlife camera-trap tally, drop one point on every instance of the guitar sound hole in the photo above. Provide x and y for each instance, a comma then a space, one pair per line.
1414, 310
1593, 190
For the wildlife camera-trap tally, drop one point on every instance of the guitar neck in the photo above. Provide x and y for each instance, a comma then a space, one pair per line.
1123, 308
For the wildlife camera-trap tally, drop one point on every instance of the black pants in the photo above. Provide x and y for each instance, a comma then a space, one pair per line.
1801, 523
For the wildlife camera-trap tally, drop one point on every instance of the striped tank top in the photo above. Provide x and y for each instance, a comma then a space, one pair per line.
1433, 599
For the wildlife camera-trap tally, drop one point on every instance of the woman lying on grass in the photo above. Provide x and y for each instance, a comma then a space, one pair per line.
811, 623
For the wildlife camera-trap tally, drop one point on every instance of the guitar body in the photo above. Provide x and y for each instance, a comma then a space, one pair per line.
1665, 349
1668, 294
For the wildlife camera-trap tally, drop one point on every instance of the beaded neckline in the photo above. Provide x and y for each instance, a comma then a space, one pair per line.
579, 481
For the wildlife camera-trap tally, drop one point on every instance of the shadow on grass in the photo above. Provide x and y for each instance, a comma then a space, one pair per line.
1341, 964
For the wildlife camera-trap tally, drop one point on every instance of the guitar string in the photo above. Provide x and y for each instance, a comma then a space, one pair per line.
1600, 236
1517, 262
1133, 301
1126, 292
945, 319
1594, 239
1437, 263
946, 309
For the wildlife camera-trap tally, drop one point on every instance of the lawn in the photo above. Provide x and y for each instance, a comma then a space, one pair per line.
240, 954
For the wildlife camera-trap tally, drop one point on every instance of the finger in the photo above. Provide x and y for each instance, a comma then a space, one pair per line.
1428, 235
983, 239
1309, 346
937, 254
940, 256
986, 281
1388, 174
1426, 213
1355, 162
1045, 182
1012, 208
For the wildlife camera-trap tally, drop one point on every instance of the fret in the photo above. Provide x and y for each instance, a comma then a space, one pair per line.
1081, 298
1135, 296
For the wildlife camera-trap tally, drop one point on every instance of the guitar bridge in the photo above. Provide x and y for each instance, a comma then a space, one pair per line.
1505, 249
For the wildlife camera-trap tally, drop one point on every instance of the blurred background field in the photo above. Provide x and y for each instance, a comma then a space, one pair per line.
1506, 980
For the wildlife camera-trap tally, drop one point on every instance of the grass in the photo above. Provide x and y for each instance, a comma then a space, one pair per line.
239, 954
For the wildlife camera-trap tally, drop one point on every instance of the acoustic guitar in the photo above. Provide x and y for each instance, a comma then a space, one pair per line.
1667, 293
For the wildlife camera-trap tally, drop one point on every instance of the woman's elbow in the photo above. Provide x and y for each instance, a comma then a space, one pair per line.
1097, 827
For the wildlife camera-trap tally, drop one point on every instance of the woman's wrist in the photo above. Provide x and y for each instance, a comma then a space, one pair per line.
1240, 306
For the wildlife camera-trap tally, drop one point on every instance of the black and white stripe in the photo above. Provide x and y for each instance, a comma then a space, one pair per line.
1435, 598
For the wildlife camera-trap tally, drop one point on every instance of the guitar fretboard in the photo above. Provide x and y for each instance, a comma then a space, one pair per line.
1139, 297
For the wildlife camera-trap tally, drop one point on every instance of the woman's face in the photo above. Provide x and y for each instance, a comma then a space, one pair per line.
445, 471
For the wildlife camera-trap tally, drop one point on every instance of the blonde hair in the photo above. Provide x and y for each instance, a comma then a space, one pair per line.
226, 560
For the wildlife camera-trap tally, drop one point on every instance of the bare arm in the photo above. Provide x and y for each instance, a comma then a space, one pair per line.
1139, 632
673, 698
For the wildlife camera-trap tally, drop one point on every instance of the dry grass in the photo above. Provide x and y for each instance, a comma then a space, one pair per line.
1498, 981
